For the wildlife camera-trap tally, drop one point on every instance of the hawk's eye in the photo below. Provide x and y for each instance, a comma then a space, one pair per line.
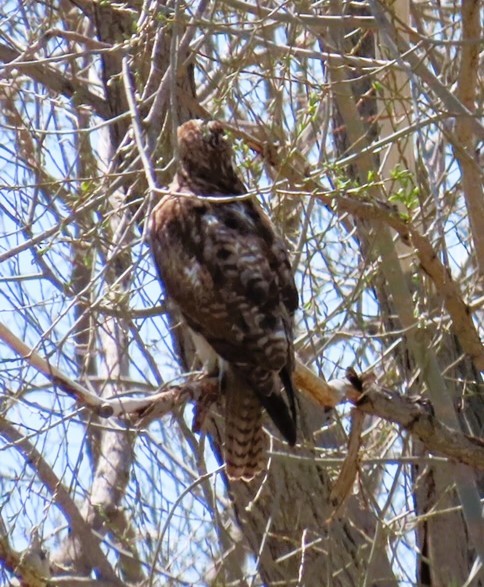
215, 134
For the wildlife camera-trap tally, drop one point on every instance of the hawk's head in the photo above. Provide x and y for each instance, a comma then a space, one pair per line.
206, 158
205, 138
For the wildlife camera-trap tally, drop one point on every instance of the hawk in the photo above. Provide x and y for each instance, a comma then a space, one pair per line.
229, 274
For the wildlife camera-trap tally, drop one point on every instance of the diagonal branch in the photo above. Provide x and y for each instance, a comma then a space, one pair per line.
416, 417
50, 78
31, 565
78, 392
90, 542
459, 312
416, 66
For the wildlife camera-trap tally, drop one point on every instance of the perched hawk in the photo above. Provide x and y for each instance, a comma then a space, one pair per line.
229, 274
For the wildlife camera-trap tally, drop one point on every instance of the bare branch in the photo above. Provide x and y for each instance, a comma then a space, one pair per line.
52, 79
418, 418
404, 52
458, 310
465, 144
90, 542
31, 566
91, 400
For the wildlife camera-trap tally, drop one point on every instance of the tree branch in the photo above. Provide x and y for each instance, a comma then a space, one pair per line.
459, 312
55, 81
31, 565
417, 417
78, 526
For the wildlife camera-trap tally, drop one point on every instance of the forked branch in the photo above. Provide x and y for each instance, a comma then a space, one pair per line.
414, 415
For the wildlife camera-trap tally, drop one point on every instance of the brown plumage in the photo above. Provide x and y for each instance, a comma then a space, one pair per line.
229, 274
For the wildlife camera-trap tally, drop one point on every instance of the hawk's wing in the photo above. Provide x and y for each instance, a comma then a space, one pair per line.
230, 276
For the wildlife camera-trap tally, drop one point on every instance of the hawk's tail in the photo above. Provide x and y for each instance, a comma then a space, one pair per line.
278, 411
245, 440
266, 384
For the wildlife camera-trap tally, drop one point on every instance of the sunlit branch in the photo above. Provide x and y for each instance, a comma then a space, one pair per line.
417, 417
